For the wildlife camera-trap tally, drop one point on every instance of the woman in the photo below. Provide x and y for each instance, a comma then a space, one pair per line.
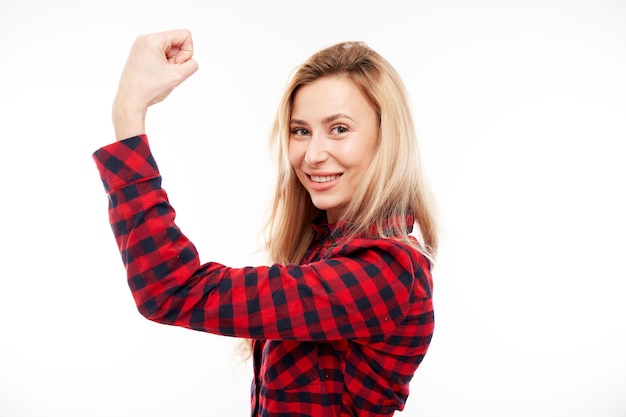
342, 319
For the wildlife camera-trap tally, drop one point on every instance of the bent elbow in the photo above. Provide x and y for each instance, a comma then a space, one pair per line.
151, 310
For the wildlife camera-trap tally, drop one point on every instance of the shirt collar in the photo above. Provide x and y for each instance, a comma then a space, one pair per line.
323, 229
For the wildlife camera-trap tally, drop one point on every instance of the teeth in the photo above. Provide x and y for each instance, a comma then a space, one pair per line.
324, 179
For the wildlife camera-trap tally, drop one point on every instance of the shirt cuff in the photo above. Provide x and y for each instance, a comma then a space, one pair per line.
125, 162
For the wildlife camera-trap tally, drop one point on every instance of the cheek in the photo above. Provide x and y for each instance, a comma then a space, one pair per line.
367, 150
295, 161
295, 154
357, 156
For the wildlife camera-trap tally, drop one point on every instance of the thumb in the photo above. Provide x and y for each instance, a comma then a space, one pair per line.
186, 69
182, 56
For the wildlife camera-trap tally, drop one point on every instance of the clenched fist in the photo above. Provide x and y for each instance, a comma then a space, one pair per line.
157, 63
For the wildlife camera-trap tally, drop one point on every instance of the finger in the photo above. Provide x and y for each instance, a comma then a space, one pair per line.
186, 69
182, 56
177, 45
185, 51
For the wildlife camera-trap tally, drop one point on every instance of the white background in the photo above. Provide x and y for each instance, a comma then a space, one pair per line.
520, 109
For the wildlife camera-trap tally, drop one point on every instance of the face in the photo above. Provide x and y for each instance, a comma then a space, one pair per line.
334, 132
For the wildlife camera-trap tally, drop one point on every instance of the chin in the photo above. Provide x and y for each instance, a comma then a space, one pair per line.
322, 207
326, 206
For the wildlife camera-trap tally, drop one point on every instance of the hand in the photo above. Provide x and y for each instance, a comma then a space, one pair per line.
157, 64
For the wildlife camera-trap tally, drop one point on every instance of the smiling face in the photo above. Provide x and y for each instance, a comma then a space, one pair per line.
333, 137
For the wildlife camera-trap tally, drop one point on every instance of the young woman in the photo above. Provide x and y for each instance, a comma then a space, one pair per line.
343, 317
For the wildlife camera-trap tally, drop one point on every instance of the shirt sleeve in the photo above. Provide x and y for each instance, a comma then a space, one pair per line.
363, 291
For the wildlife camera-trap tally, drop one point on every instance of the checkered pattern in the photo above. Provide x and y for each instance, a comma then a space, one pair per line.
339, 335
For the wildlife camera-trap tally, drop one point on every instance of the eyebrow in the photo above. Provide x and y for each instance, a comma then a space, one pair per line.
325, 120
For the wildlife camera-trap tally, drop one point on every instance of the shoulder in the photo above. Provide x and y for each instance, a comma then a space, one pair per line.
402, 260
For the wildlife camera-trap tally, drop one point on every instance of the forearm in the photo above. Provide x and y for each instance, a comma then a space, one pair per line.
161, 263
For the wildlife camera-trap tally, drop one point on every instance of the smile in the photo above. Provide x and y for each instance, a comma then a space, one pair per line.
327, 178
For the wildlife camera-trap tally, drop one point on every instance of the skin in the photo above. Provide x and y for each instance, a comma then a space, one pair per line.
334, 133
156, 64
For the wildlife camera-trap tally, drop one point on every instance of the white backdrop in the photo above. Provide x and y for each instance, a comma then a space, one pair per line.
520, 109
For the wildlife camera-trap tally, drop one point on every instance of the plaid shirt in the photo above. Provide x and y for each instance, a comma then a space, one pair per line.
341, 334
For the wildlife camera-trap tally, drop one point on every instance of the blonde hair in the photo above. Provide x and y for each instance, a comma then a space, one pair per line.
394, 185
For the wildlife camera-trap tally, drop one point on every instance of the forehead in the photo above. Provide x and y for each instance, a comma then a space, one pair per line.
327, 95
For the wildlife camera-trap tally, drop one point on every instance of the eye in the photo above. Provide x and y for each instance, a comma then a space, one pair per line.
300, 131
339, 129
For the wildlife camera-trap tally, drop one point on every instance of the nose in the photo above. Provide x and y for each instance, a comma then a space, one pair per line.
316, 151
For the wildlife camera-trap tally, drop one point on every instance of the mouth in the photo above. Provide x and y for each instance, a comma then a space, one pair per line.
323, 178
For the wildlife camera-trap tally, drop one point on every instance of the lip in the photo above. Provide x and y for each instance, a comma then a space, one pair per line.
322, 186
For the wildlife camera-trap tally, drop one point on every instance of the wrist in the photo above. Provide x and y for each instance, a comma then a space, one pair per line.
128, 120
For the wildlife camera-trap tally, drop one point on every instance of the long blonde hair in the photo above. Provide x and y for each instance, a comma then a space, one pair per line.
394, 185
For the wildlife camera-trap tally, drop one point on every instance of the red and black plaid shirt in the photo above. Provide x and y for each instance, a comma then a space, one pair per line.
341, 334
